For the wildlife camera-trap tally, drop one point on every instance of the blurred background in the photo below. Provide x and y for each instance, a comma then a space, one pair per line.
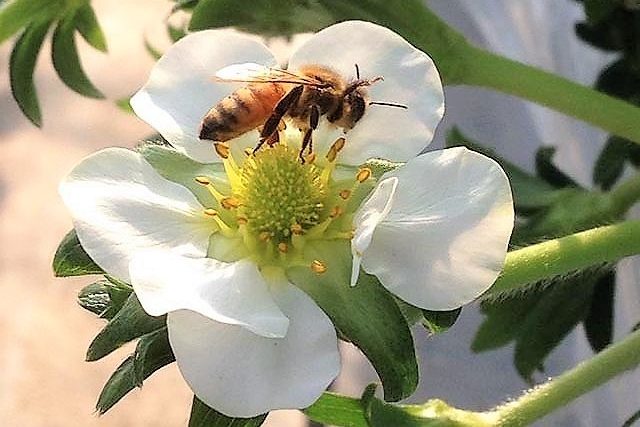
44, 380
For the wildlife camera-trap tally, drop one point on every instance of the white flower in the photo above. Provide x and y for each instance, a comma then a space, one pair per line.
247, 341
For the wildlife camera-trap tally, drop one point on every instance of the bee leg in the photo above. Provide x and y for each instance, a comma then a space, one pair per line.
307, 141
281, 108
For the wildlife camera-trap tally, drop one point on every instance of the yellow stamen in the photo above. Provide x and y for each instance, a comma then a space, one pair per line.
242, 220
265, 236
310, 158
336, 212
345, 194
224, 228
363, 174
339, 144
205, 181
230, 203
202, 180
296, 229
318, 267
222, 149
283, 247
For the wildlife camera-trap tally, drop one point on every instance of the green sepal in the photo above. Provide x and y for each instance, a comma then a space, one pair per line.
129, 323
66, 62
104, 297
152, 353
89, 28
385, 338
529, 192
182, 170
204, 416
72, 260
440, 321
433, 413
334, 409
21, 67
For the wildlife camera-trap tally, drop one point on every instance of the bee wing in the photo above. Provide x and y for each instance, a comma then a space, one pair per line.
256, 73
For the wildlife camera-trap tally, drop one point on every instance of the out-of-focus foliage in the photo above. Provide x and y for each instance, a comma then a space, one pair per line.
33, 19
614, 26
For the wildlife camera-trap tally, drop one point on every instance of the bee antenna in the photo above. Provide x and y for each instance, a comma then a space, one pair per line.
389, 104
357, 72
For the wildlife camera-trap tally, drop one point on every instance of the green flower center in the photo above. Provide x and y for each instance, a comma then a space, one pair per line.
275, 206
279, 192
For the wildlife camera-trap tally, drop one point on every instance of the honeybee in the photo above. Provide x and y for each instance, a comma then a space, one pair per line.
272, 93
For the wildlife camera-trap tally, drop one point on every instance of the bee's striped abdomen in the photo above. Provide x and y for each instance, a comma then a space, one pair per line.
242, 111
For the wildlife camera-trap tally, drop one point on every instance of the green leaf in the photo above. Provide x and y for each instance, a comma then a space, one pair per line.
504, 319
88, 26
557, 312
152, 353
610, 163
124, 104
17, 14
66, 62
632, 419
104, 298
129, 323
175, 33
549, 172
439, 321
71, 259
180, 169
184, 5
366, 314
21, 66
152, 50
204, 416
598, 10
270, 18
529, 191
598, 324
338, 410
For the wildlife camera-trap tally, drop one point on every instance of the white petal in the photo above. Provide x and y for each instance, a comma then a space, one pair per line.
181, 89
120, 205
233, 293
444, 240
242, 374
370, 214
410, 78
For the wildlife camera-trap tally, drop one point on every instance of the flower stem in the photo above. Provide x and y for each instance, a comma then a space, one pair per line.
586, 376
567, 254
496, 72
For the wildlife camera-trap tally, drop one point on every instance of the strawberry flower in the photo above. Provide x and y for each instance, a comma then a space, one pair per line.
208, 236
